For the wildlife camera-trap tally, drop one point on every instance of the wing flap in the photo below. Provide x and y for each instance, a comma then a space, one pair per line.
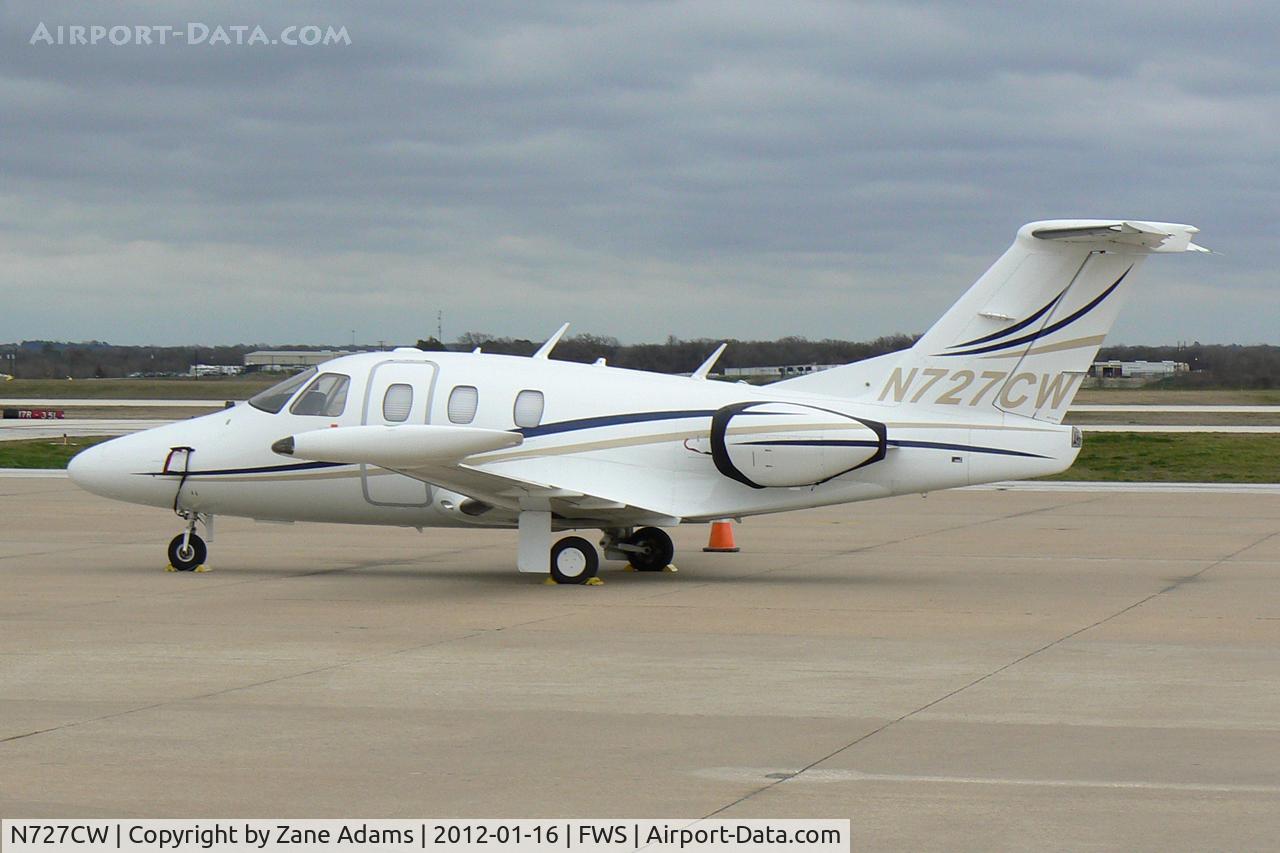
512, 493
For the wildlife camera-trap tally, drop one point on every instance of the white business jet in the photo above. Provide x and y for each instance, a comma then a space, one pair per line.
441, 439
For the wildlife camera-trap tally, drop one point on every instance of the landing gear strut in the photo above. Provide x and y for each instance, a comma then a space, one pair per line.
572, 560
187, 551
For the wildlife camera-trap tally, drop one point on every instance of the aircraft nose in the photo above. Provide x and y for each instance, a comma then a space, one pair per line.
94, 469
121, 469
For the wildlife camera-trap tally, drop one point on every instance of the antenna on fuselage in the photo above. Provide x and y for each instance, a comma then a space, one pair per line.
705, 367
544, 351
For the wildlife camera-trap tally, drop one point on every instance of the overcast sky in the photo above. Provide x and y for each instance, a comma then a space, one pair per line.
721, 169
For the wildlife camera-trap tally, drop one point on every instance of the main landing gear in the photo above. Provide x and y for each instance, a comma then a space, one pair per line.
648, 549
187, 550
574, 560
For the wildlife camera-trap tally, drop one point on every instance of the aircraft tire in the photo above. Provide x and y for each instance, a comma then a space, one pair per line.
658, 549
191, 558
574, 561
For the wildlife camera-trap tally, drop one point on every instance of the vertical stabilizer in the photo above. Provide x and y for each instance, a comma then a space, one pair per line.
1023, 336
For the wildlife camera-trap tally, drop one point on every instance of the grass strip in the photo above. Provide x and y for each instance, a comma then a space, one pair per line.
44, 452
217, 388
1176, 457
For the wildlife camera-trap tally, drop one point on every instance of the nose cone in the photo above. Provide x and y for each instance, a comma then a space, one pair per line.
122, 469
88, 469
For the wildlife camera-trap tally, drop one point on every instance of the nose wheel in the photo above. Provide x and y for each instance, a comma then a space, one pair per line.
187, 552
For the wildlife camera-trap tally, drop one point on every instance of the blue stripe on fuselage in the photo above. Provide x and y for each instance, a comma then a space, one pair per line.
260, 469
611, 420
925, 445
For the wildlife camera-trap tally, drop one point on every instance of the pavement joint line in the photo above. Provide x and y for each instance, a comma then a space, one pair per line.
219, 584
865, 548
241, 581
939, 700
370, 564
284, 677
861, 549
214, 693
26, 554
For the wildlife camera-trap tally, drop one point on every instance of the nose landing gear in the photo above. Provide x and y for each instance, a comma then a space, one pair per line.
187, 550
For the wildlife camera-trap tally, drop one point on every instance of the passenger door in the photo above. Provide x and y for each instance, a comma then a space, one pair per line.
399, 392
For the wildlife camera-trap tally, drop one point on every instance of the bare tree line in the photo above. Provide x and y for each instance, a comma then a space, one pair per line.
1212, 365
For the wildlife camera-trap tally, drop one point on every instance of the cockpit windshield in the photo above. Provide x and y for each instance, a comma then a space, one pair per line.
326, 396
273, 399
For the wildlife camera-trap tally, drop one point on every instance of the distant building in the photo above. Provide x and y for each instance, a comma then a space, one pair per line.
1132, 373
215, 370
282, 361
1137, 369
765, 374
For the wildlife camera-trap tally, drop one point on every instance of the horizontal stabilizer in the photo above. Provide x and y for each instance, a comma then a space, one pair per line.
402, 446
1152, 236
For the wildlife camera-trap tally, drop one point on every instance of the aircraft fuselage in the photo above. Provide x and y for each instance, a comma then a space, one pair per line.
637, 438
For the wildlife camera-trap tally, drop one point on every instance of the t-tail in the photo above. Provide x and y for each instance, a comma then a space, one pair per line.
1024, 335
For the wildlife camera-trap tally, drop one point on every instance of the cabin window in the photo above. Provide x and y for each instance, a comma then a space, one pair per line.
528, 409
397, 403
327, 396
463, 401
273, 399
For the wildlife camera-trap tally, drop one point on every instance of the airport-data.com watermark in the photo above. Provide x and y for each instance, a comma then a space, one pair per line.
191, 33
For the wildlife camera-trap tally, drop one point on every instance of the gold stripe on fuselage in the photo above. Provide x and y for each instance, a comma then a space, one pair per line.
349, 472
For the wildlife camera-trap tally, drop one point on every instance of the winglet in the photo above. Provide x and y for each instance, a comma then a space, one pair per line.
705, 367
544, 351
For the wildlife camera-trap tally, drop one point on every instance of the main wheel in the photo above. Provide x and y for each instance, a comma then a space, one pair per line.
189, 558
656, 549
574, 560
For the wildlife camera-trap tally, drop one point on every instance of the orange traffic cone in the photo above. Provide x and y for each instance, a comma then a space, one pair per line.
722, 538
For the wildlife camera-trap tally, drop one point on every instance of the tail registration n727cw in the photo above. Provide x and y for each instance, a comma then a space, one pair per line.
936, 386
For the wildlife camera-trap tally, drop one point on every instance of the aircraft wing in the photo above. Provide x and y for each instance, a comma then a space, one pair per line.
437, 454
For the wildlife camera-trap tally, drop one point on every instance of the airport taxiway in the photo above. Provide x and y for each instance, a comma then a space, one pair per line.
106, 402
973, 670
22, 430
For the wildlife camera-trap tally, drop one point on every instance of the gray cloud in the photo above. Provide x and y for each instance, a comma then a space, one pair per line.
702, 169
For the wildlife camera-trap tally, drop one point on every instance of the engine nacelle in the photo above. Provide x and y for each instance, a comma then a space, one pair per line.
787, 444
